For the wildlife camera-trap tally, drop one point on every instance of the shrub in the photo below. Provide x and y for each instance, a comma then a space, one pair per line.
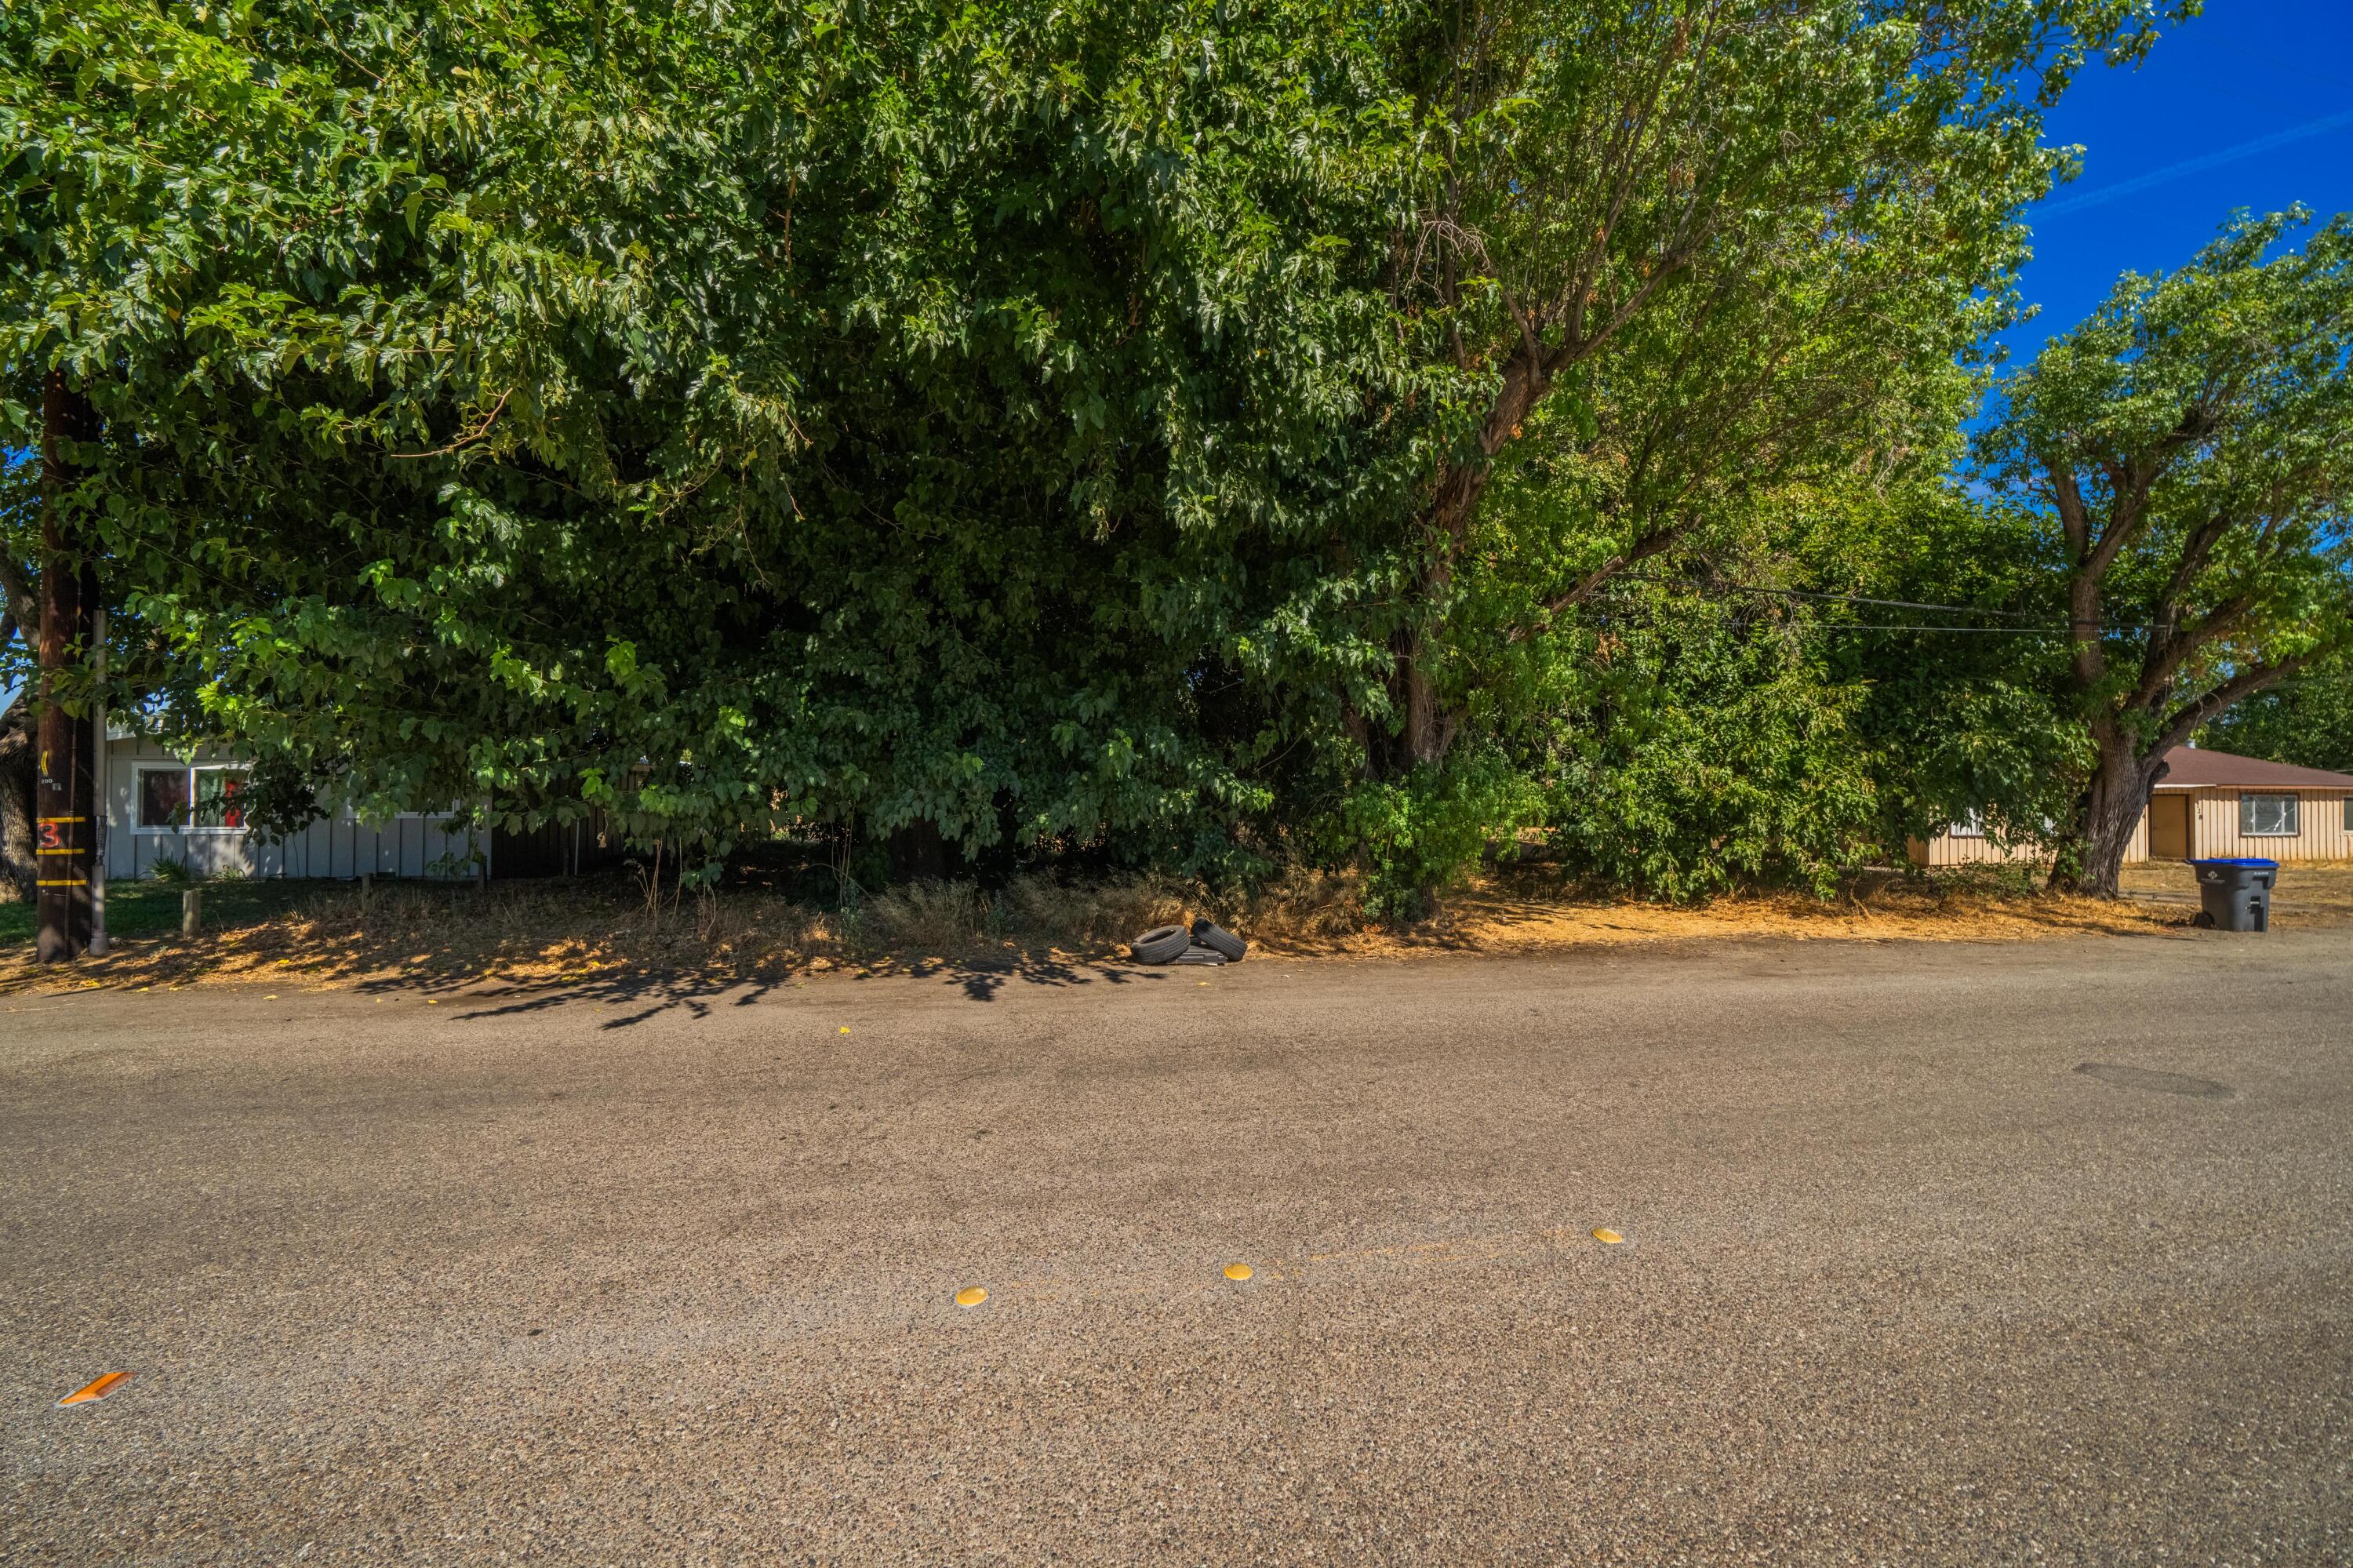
1421, 835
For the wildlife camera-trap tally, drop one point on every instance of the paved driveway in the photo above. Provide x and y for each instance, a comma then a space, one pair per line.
1932, 1254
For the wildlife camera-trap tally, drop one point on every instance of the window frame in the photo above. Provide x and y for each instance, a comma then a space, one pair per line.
2247, 800
1970, 824
139, 777
187, 771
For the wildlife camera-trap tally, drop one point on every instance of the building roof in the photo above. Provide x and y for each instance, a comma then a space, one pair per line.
2195, 768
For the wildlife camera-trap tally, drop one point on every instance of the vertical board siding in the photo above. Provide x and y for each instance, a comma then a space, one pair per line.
2319, 820
337, 845
1947, 850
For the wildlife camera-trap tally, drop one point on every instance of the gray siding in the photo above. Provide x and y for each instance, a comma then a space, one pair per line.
337, 845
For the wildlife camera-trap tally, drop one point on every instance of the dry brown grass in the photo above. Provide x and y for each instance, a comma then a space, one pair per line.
2307, 889
560, 934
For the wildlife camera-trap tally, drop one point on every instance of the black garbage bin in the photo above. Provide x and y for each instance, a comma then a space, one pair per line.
2237, 894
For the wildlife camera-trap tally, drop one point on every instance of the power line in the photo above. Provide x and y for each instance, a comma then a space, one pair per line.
1833, 598
2061, 628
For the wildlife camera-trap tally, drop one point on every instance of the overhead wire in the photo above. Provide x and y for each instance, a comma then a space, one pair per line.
2045, 629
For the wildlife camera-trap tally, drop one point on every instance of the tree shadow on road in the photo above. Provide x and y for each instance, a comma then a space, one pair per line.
643, 995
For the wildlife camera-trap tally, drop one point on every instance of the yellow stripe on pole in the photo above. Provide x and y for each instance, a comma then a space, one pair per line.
61, 819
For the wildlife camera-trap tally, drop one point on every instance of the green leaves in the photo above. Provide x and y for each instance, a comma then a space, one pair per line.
1027, 419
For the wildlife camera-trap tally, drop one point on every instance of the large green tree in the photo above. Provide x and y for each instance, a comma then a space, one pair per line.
2189, 449
839, 412
1694, 249
1091, 425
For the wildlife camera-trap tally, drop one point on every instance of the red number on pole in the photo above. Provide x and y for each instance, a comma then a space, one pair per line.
51, 837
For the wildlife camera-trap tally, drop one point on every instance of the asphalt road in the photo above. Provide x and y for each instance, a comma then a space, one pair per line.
666, 1276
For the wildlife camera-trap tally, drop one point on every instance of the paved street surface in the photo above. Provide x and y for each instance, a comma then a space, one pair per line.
1933, 1254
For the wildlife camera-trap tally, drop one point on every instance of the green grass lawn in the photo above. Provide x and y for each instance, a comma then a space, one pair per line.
152, 909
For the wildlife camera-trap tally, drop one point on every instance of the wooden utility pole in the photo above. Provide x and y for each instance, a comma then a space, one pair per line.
64, 803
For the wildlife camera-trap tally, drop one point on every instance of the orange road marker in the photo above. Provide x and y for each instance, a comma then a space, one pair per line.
971, 1296
95, 1392
1237, 1272
1608, 1237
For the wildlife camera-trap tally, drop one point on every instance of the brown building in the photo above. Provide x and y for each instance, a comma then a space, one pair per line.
2208, 805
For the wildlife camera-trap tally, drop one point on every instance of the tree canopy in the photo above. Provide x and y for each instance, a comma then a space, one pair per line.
2190, 448
1190, 436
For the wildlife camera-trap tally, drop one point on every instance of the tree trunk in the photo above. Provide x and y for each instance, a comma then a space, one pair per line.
17, 862
919, 852
1428, 727
2111, 809
64, 803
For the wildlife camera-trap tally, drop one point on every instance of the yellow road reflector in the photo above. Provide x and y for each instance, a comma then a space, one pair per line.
272, 998
971, 1296
845, 1029
97, 1391
1239, 1271
1609, 1235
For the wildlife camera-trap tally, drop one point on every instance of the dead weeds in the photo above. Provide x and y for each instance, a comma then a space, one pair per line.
562, 934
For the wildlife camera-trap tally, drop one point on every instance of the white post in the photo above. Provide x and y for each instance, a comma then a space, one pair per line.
102, 804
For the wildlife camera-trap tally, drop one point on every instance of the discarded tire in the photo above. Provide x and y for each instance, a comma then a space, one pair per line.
1209, 934
1161, 944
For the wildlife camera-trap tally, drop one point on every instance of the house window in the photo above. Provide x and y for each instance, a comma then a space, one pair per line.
201, 798
2349, 814
2267, 816
1969, 824
216, 802
162, 796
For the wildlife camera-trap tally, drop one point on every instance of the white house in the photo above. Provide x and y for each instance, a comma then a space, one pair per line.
160, 806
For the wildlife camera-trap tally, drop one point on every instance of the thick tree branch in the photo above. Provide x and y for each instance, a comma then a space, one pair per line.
1643, 549
2200, 545
2237, 689
2166, 657
2075, 518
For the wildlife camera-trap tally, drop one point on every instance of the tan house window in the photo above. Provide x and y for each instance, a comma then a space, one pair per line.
1968, 825
2267, 816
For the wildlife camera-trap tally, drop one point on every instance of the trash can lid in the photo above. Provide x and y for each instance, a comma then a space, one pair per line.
2227, 860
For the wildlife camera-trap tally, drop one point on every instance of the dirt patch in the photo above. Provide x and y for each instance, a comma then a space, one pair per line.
566, 934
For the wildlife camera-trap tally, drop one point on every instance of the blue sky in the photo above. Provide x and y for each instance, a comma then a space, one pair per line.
2249, 105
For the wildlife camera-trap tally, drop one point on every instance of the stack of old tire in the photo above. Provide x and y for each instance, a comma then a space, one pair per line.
1206, 943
